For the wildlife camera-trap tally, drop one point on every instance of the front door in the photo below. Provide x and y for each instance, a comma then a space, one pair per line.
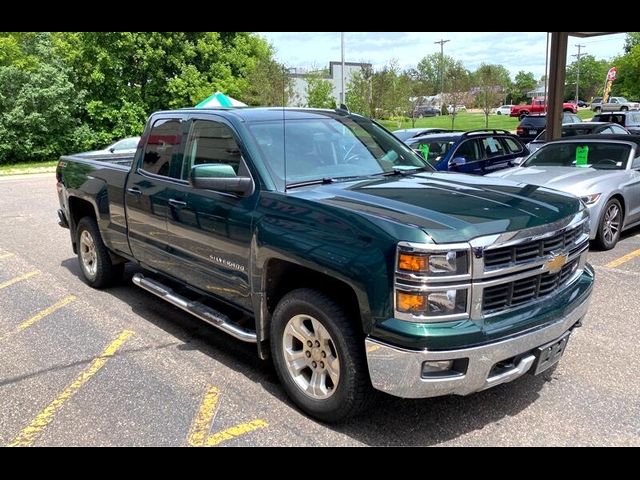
210, 232
146, 192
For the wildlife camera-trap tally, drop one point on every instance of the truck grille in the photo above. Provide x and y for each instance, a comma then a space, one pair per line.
530, 251
520, 292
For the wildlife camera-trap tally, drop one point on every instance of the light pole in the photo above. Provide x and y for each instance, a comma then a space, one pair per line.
578, 55
442, 42
342, 69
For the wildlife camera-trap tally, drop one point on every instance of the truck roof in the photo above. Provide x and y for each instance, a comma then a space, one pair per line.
259, 113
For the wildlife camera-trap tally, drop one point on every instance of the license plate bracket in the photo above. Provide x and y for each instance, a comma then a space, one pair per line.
549, 354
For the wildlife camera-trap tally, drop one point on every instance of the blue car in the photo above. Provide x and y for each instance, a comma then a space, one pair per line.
476, 151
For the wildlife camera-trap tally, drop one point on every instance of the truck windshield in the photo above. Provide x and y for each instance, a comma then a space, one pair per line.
327, 145
599, 155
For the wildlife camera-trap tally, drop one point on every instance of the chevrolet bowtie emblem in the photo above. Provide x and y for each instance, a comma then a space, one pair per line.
558, 260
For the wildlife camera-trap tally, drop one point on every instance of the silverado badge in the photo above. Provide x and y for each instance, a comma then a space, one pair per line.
558, 260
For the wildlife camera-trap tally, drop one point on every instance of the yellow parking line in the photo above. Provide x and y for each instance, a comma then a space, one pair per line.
29, 434
8, 283
39, 316
5, 255
203, 421
625, 258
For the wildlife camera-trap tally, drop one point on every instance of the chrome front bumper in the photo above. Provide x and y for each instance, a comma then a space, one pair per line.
398, 371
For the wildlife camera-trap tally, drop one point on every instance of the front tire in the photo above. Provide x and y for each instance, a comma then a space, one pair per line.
319, 355
624, 109
95, 262
610, 225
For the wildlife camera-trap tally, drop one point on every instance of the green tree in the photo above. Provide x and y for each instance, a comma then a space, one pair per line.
457, 83
319, 91
430, 68
627, 82
358, 95
523, 82
269, 84
631, 40
40, 114
592, 76
491, 82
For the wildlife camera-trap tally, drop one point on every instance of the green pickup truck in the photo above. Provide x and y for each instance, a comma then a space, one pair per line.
319, 236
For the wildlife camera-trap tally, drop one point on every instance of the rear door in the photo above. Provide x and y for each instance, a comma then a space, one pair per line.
468, 149
210, 232
147, 188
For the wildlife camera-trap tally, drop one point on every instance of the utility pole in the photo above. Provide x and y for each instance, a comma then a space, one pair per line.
342, 69
442, 42
578, 55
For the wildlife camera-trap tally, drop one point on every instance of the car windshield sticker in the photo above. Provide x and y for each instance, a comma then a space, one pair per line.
424, 148
582, 155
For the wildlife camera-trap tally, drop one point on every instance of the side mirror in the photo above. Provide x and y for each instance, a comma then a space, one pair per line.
457, 162
112, 149
220, 177
517, 161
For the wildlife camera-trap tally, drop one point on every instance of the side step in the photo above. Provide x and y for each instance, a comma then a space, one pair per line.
196, 309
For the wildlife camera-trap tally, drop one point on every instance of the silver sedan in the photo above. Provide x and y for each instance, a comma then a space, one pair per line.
603, 170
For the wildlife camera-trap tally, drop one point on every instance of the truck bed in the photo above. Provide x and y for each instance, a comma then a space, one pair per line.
118, 161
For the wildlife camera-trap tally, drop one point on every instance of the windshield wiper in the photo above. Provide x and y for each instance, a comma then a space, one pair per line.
403, 171
317, 181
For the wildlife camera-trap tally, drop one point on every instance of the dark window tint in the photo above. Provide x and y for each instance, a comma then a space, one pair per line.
161, 154
469, 150
213, 143
599, 155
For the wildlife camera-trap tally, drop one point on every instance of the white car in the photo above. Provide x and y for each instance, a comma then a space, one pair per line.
504, 110
458, 108
126, 146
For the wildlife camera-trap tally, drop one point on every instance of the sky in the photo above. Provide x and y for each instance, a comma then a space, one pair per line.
515, 50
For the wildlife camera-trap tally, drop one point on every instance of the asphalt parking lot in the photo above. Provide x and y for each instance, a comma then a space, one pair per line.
120, 367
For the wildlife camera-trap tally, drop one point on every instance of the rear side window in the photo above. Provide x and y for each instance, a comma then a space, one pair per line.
162, 151
492, 147
511, 145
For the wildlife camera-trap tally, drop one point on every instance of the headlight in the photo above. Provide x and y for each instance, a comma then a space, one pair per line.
433, 304
590, 199
437, 264
432, 282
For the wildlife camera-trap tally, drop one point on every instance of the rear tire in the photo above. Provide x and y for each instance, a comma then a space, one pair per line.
610, 225
597, 109
624, 109
318, 353
95, 261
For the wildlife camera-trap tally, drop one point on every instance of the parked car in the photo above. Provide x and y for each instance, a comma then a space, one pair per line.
425, 111
504, 109
126, 146
627, 119
614, 103
407, 133
350, 263
539, 105
580, 128
603, 170
456, 109
582, 103
531, 125
476, 151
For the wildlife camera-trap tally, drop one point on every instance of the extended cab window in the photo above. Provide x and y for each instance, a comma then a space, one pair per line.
161, 153
211, 142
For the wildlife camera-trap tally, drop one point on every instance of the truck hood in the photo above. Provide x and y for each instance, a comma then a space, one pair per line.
449, 207
578, 181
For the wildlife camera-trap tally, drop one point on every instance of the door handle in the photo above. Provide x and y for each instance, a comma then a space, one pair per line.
134, 191
177, 203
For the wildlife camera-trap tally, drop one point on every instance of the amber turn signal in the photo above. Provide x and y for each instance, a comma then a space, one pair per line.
407, 302
413, 263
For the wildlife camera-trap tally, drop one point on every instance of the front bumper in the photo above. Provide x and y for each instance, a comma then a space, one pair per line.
398, 371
